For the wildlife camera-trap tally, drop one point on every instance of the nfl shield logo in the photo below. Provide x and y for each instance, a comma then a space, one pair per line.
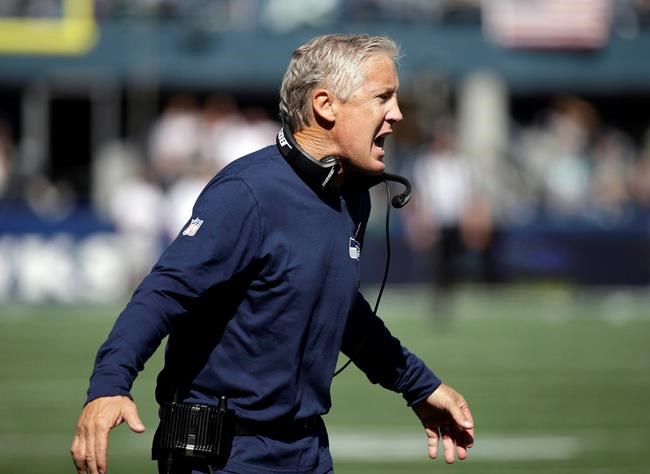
193, 227
355, 249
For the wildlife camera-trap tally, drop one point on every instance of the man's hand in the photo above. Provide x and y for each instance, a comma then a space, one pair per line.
90, 443
445, 415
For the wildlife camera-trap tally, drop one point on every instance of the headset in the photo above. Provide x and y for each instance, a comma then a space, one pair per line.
318, 174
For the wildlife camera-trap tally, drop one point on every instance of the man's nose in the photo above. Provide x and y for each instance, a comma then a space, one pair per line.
394, 114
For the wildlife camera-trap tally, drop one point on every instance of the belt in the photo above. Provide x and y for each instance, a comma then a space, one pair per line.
292, 429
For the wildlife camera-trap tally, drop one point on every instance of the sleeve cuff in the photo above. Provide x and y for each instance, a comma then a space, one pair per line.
425, 385
107, 387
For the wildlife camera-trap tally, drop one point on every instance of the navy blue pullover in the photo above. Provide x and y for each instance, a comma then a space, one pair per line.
258, 294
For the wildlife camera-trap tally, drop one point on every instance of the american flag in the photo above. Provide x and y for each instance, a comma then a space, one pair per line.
551, 24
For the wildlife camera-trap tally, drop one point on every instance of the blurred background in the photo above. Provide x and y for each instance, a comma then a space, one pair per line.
520, 270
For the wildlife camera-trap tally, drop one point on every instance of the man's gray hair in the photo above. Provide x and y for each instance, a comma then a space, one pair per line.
333, 62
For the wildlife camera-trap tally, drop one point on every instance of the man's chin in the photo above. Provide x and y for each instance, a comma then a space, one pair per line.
372, 167
377, 168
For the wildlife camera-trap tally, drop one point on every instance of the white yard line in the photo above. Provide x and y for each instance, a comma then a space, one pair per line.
345, 446
396, 447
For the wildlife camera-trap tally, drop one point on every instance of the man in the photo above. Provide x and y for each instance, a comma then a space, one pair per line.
260, 291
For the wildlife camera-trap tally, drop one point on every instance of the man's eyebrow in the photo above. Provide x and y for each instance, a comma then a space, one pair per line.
385, 90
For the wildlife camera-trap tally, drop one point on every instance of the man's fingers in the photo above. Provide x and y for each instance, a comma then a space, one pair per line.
432, 442
448, 445
90, 456
464, 408
455, 442
461, 452
101, 450
464, 440
133, 419
77, 450
461, 415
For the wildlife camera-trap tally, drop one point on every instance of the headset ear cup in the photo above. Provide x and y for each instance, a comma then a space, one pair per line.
334, 166
317, 174
329, 160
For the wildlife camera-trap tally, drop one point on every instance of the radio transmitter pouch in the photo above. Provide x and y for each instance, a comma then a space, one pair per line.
191, 433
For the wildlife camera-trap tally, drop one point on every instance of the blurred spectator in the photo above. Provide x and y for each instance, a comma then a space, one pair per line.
114, 162
576, 166
137, 212
6, 151
554, 155
31, 8
179, 199
462, 11
197, 15
450, 214
237, 133
457, 11
631, 16
383, 10
612, 157
288, 15
220, 117
255, 131
4, 170
639, 177
47, 199
643, 10
174, 140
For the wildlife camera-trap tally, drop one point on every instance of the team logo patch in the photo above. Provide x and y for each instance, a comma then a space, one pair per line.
193, 228
355, 249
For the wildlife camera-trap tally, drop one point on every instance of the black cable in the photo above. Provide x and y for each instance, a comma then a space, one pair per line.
387, 265
383, 281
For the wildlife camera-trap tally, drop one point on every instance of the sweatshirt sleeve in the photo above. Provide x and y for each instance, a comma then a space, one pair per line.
219, 242
382, 357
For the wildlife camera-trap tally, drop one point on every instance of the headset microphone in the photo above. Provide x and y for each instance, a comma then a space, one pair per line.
400, 200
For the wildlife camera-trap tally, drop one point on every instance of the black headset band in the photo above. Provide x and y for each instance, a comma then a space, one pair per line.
317, 174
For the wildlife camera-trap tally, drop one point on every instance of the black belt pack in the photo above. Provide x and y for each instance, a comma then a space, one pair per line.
200, 432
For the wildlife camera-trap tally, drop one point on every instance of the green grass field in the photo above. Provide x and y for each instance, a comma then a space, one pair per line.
558, 381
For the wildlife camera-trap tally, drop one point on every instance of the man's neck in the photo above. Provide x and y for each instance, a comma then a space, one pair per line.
318, 143
315, 142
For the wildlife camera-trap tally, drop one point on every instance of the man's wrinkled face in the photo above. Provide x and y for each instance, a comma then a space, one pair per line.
365, 120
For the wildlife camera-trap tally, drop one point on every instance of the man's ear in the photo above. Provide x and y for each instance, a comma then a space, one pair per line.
324, 105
